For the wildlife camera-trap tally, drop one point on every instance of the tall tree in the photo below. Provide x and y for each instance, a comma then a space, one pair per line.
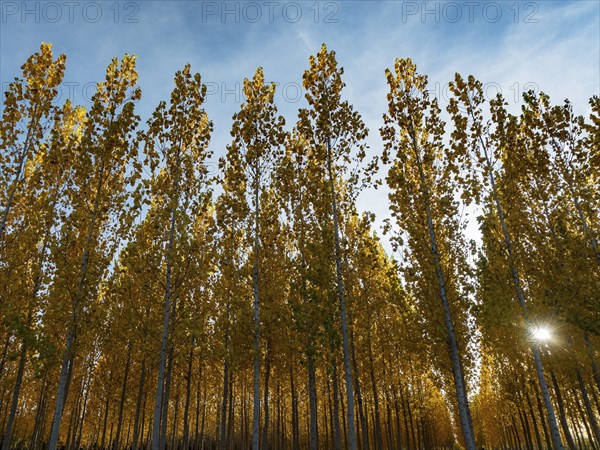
336, 133
423, 179
176, 145
489, 143
257, 138
99, 207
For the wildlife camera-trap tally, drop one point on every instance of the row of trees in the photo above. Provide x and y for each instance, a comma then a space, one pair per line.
149, 303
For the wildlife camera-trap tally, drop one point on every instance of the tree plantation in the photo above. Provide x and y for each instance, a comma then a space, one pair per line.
147, 302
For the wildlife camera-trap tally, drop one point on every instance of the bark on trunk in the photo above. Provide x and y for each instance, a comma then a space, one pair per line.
138, 407
457, 371
122, 401
588, 406
561, 411
265, 438
312, 399
158, 401
342, 305
188, 393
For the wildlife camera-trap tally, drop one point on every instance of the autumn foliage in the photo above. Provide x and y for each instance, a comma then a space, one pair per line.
147, 301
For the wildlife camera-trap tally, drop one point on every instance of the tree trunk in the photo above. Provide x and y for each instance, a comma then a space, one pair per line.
561, 411
6, 440
543, 422
583, 418
188, 393
197, 421
265, 438
41, 409
223, 421
295, 418
138, 406
595, 370
122, 401
167, 394
158, 401
359, 399
342, 304
106, 406
312, 399
588, 407
231, 416
457, 371
68, 356
378, 437
83, 412
256, 305
336, 431
536, 430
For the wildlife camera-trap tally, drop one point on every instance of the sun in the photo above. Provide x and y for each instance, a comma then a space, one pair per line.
542, 334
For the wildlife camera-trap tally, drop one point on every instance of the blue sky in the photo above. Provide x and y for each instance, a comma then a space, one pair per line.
510, 46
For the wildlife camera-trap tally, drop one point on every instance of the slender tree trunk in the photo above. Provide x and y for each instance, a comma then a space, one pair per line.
158, 401
515, 431
295, 418
231, 416
378, 438
68, 356
203, 421
595, 370
71, 431
197, 421
538, 438
175, 417
352, 445
457, 371
163, 439
583, 418
6, 440
543, 422
404, 414
411, 422
84, 411
397, 421
359, 399
561, 411
106, 406
525, 428
265, 438
41, 408
188, 393
312, 399
577, 431
223, 421
122, 401
138, 407
588, 407
256, 305
336, 430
